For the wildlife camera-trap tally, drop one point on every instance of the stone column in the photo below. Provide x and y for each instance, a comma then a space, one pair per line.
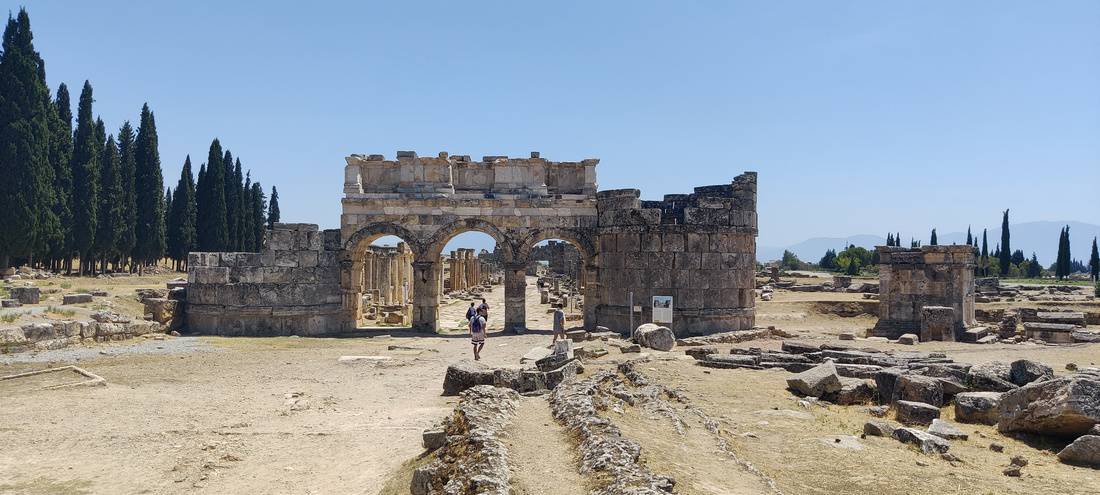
425, 317
591, 296
471, 280
349, 294
515, 289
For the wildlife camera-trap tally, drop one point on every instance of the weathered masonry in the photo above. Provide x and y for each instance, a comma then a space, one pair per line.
699, 248
927, 290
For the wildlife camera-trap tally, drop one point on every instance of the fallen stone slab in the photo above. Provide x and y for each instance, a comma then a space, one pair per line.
1055, 333
10, 303
857, 370
946, 430
977, 407
701, 352
76, 298
1066, 406
926, 442
729, 361
994, 376
816, 381
880, 428
1085, 451
26, 295
793, 347
1085, 337
916, 413
535, 354
352, 359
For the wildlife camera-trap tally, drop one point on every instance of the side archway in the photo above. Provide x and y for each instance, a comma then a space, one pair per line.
433, 247
584, 241
362, 238
356, 263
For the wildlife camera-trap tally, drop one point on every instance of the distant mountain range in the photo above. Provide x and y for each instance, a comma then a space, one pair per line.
1038, 237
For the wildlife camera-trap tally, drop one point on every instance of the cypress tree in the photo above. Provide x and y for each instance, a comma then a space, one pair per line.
985, 253
258, 206
181, 233
61, 155
85, 167
238, 186
1006, 246
1064, 263
128, 168
273, 208
932, 241
169, 226
969, 238
26, 175
148, 190
110, 210
247, 220
232, 204
212, 226
1094, 262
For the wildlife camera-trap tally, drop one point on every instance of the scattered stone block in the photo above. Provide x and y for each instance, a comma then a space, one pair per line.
1023, 372
817, 381
631, 348
853, 391
1065, 406
701, 352
994, 376
76, 298
10, 303
916, 413
908, 339
879, 428
977, 407
946, 430
434, 438
794, 347
916, 388
1085, 451
926, 442
655, 337
1056, 333
26, 295
577, 335
466, 374
847, 336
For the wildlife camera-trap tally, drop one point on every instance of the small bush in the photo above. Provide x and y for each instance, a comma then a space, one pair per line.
66, 285
11, 317
1097, 289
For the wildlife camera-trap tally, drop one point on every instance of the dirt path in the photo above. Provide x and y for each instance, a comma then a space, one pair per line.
540, 453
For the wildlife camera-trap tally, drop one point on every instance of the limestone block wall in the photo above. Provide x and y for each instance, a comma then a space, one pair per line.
699, 248
291, 287
912, 278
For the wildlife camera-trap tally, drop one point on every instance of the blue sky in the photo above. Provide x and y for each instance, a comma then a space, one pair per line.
861, 117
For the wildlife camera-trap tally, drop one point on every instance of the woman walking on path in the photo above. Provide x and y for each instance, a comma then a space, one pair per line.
477, 335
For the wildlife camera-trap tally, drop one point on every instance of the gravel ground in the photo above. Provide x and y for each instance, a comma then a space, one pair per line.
170, 345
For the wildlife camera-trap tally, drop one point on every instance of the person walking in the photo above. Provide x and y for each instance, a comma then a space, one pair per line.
559, 323
477, 335
483, 309
471, 312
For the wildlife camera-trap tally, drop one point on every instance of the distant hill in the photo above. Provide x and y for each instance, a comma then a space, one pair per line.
1038, 237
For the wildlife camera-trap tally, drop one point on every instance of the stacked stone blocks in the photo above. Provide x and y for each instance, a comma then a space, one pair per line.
291, 287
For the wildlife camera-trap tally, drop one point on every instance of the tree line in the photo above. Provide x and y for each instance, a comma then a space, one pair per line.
1002, 261
83, 193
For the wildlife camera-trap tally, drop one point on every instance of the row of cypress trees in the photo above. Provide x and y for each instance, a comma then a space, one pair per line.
86, 194
223, 210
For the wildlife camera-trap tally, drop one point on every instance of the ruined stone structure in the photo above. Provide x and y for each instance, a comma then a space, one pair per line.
387, 276
291, 287
465, 270
699, 248
562, 258
934, 281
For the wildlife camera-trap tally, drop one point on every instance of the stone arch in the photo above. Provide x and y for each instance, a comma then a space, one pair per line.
433, 247
355, 260
358, 243
580, 238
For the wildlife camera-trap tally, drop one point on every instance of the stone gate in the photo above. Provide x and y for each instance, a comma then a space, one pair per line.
699, 248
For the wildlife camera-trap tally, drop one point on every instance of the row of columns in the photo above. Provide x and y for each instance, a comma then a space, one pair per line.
388, 275
465, 270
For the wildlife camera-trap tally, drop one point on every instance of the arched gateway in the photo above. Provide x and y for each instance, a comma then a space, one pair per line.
427, 201
696, 250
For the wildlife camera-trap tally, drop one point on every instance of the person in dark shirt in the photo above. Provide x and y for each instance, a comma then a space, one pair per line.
477, 335
559, 323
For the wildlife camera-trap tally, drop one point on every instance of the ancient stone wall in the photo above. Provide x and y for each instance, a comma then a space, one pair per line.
699, 248
912, 278
291, 287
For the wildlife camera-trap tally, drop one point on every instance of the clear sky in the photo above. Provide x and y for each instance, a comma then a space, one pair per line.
860, 116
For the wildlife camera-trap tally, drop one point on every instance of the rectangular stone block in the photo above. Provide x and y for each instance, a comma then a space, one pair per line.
208, 275
672, 243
